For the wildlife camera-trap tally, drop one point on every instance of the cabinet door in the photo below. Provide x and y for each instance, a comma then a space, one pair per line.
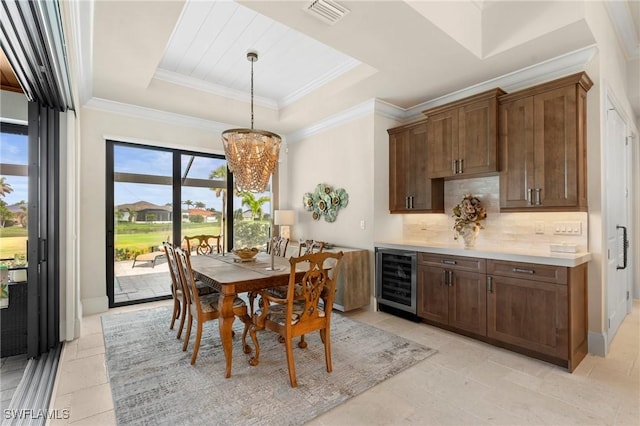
418, 185
468, 302
477, 146
516, 147
433, 294
442, 143
556, 147
529, 314
398, 172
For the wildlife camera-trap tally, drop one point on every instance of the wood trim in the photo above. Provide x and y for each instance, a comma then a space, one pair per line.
489, 94
581, 78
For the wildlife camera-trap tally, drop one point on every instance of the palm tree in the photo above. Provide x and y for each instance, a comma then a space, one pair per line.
255, 204
5, 188
188, 203
199, 205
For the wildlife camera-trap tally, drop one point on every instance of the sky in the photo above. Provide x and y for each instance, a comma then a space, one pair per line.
127, 159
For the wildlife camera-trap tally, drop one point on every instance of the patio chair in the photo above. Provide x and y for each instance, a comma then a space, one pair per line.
300, 314
148, 257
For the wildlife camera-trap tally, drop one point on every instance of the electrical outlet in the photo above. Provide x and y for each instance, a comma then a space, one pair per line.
362, 224
567, 228
539, 227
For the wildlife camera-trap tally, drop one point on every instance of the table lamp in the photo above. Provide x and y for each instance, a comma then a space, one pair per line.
284, 218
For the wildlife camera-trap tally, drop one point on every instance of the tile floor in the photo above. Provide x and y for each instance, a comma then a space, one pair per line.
466, 383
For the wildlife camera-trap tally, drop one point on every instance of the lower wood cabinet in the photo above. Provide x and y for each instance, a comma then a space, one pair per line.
539, 310
453, 291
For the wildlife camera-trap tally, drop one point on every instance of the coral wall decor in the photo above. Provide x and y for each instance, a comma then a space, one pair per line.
325, 201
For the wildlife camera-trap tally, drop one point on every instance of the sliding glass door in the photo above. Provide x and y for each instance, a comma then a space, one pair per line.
159, 194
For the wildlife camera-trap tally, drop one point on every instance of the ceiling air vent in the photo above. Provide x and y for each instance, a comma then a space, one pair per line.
327, 11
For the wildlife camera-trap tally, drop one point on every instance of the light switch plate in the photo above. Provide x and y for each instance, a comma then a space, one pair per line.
567, 228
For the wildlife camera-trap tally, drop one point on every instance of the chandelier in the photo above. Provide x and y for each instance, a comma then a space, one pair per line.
251, 154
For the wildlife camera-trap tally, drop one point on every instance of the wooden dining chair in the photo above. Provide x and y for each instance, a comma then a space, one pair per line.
297, 315
278, 245
205, 308
309, 246
179, 303
203, 244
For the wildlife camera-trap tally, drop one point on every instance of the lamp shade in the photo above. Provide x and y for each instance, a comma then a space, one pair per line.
284, 217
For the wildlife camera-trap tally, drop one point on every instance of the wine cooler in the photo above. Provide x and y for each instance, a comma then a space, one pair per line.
396, 277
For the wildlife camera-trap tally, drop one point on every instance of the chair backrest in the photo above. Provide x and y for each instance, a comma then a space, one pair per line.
188, 280
278, 245
203, 244
176, 283
317, 284
309, 246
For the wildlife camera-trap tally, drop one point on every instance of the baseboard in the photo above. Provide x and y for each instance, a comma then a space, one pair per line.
95, 305
597, 343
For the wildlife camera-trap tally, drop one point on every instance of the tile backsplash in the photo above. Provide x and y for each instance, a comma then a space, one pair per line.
517, 230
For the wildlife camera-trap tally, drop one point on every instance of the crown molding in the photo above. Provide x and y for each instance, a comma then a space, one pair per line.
156, 115
369, 107
318, 82
215, 89
620, 15
551, 69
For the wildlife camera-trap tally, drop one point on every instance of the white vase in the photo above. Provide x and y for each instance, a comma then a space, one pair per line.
469, 235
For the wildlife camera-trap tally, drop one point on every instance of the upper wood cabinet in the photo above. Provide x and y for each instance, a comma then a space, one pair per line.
410, 190
462, 136
543, 146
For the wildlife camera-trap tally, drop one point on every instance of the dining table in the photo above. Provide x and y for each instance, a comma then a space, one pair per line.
231, 276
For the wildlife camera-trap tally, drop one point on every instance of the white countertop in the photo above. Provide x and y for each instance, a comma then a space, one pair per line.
534, 255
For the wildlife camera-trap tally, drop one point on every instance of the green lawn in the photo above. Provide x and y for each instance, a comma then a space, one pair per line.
10, 246
152, 235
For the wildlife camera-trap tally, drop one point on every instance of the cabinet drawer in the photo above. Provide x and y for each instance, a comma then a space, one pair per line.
461, 263
528, 271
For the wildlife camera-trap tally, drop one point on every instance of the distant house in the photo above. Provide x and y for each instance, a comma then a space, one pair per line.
209, 216
144, 211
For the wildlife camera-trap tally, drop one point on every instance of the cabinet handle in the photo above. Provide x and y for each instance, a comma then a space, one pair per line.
461, 162
524, 271
454, 166
450, 278
538, 197
444, 278
411, 201
530, 196
490, 284
449, 262
406, 203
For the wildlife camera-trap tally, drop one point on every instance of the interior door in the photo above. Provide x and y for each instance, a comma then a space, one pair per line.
617, 231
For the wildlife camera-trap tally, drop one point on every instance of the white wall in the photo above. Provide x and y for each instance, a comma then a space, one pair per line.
341, 157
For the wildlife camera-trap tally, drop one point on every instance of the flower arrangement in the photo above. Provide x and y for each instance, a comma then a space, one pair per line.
468, 213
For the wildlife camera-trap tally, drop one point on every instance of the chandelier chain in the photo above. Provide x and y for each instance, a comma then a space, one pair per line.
251, 95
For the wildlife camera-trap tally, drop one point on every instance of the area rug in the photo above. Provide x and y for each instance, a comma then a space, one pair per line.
152, 381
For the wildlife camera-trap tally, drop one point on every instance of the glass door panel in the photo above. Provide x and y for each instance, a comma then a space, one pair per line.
251, 219
143, 219
203, 185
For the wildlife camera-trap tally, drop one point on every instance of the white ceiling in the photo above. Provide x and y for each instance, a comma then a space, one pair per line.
189, 57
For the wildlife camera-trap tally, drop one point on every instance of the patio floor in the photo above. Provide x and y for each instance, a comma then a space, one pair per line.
141, 282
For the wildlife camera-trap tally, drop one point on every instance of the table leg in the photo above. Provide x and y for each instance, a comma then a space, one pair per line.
225, 322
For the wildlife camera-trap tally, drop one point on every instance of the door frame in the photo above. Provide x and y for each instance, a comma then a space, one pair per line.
177, 203
610, 100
